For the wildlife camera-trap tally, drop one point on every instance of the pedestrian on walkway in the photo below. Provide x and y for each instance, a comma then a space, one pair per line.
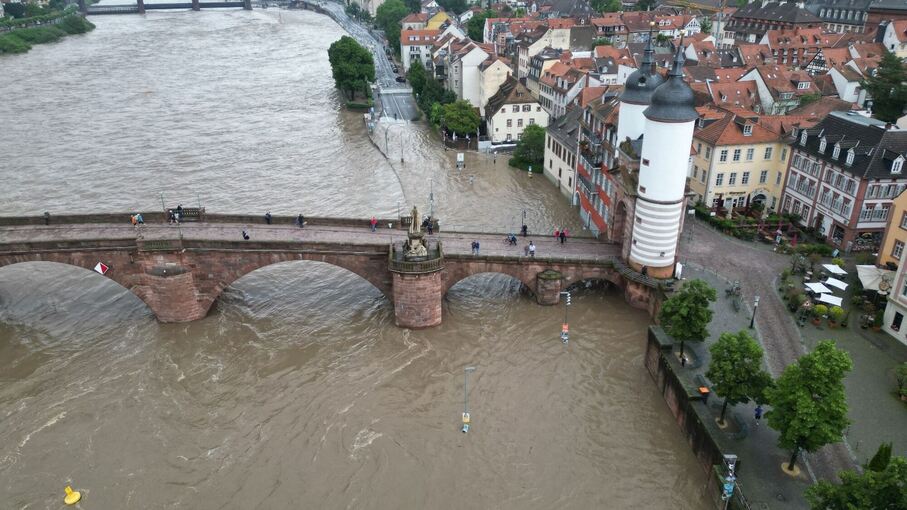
179, 212
132, 220
300, 220
758, 414
170, 216
524, 230
374, 223
531, 249
557, 232
268, 217
431, 226
245, 235
563, 236
138, 219
46, 218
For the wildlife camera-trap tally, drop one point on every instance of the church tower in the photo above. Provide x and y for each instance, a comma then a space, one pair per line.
637, 95
669, 122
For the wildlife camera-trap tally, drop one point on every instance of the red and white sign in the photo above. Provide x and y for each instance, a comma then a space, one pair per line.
101, 268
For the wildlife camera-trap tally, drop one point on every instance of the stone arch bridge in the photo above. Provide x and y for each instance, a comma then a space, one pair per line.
180, 270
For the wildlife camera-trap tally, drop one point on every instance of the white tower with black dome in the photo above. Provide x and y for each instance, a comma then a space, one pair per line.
669, 122
637, 95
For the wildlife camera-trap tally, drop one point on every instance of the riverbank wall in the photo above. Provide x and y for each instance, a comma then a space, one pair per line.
689, 407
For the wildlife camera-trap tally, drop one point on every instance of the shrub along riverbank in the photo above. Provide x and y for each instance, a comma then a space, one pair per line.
21, 40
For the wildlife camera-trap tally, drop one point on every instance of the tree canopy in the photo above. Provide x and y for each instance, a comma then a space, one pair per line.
461, 118
475, 27
686, 314
736, 369
882, 486
416, 76
887, 88
809, 407
705, 24
351, 66
606, 5
454, 6
388, 17
530, 150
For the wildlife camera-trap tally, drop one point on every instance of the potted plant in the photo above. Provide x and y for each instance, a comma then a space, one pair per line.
838, 261
879, 318
835, 314
819, 311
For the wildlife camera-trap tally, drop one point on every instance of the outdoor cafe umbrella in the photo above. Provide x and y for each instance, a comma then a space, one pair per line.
834, 282
874, 278
832, 300
834, 269
818, 288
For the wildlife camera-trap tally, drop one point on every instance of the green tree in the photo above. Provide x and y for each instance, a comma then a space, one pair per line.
413, 5
15, 9
416, 76
601, 41
705, 24
884, 488
606, 5
686, 314
475, 27
353, 10
880, 460
461, 118
736, 369
454, 6
645, 5
887, 88
900, 375
388, 17
809, 407
520, 12
351, 66
530, 150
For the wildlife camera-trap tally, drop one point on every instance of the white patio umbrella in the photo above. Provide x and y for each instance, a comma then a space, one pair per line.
873, 277
833, 269
832, 300
818, 288
834, 282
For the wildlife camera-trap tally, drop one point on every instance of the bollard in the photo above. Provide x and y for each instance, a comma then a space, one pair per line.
72, 497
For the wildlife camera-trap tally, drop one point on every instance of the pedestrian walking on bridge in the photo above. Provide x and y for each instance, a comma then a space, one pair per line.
374, 223
300, 220
531, 249
563, 236
268, 217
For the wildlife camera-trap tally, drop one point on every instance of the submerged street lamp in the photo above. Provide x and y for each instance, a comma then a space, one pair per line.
565, 328
755, 306
466, 418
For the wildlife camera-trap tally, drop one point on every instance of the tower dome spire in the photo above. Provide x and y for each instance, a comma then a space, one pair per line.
674, 100
641, 84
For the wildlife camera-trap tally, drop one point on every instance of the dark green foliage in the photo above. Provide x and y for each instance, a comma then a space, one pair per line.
888, 88
705, 24
606, 5
39, 35
461, 118
530, 150
686, 314
413, 5
75, 24
881, 459
806, 99
873, 489
475, 27
15, 10
9, 43
351, 66
645, 5
433, 98
388, 17
416, 77
454, 6
600, 41
736, 369
809, 407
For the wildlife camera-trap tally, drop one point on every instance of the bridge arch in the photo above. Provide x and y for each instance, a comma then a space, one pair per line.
458, 272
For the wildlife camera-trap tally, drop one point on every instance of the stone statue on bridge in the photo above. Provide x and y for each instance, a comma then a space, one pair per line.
415, 247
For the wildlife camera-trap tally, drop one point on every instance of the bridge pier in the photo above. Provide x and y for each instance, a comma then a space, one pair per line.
195, 6
247, 5
548, 285
141, 4
417, 299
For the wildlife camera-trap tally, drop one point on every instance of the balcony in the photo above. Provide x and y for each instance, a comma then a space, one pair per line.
586, 186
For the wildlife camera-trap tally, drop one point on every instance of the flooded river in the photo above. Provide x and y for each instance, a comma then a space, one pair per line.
297, 391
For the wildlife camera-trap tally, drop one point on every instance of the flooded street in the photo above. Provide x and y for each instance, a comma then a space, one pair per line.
297, 390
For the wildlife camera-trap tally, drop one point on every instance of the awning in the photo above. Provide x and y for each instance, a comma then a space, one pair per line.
832, 300
874, 278
833, 269
834, 282
818, 288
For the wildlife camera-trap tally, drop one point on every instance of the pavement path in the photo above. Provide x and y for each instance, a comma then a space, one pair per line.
757, 267
455, 243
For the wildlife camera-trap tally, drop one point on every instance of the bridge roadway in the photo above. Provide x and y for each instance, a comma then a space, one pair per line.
180, 270
454, 243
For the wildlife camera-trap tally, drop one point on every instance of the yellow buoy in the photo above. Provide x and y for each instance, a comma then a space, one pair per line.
465, 418
72, 497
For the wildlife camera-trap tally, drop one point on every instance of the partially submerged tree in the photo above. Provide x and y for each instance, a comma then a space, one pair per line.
809, 407
686, 314
461, 118
351, 66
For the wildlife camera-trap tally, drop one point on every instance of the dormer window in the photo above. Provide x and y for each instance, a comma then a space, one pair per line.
897, 165
822, 145
836, 152
850, 155
803, 138
803, 85
748, 130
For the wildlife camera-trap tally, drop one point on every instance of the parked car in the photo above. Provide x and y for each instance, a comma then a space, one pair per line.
396, 70
401, 79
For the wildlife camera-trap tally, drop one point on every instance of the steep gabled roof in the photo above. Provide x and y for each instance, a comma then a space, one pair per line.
788, 12
875, 148
510, 92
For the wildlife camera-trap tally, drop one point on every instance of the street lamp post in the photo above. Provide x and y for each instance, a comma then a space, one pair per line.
755, 306
466, 418
565, 328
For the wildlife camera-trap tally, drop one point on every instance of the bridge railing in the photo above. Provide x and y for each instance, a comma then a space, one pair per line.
396, 264
628, 273
160, 217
